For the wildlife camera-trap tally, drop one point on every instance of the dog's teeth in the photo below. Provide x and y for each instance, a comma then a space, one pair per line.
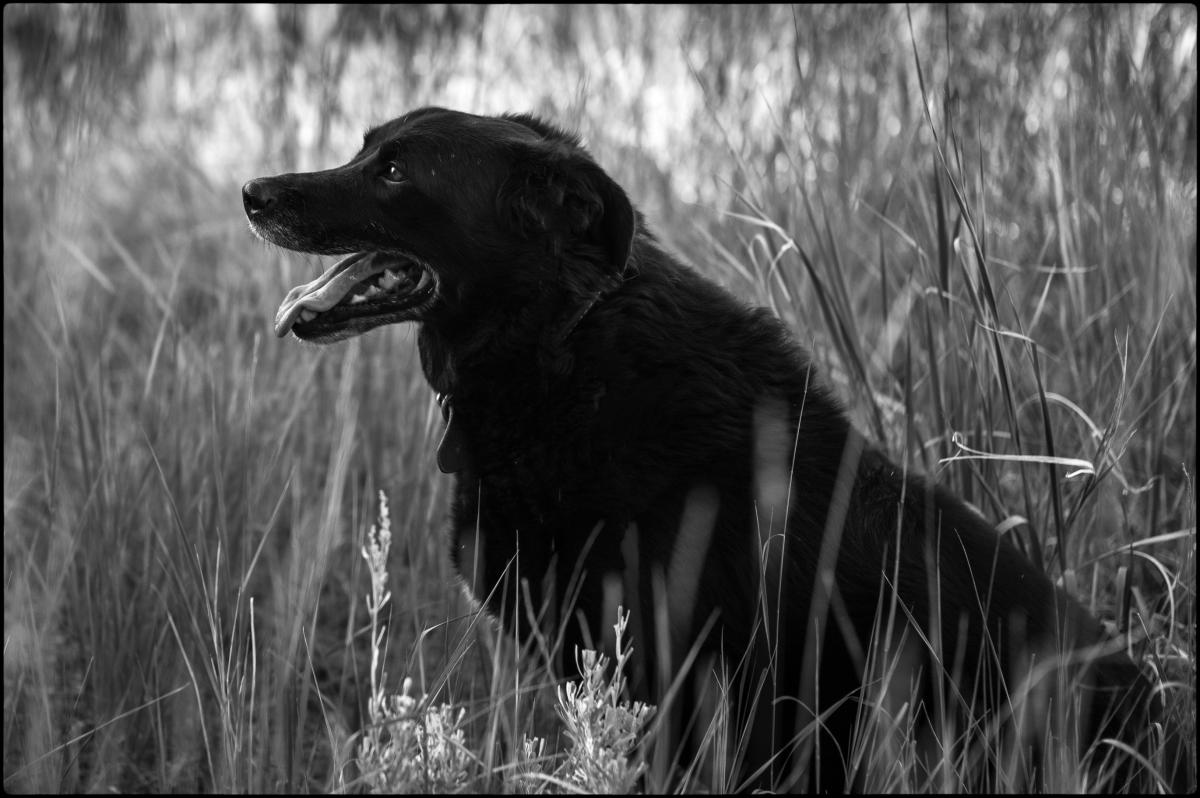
388, 280
307, 315
372, 291
354, 300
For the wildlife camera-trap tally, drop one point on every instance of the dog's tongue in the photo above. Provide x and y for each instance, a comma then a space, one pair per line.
325, 291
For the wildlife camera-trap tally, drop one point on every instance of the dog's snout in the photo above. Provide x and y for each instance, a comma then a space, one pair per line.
257, 196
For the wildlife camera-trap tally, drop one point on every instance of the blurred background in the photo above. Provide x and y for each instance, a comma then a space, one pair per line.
927, 195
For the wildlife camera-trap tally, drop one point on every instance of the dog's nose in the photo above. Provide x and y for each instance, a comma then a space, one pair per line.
257, 196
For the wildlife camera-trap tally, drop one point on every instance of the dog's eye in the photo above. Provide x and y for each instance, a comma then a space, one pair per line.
393, 173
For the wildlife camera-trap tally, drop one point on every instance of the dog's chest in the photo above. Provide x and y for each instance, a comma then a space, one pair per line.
540, 440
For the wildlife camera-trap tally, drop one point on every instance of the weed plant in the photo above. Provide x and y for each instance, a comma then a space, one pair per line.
410, 746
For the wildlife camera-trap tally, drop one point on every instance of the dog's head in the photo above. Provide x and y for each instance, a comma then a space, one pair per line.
440, 213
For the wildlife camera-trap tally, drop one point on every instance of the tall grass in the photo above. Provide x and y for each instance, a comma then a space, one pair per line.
984, 229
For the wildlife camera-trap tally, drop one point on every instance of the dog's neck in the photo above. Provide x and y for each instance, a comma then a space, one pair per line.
555, 349
438, 360
578, 315
450, 360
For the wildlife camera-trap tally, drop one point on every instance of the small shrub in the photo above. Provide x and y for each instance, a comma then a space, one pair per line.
603, 728
407, 747
412, 746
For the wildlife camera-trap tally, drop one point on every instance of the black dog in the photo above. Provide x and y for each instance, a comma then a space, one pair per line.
625, 431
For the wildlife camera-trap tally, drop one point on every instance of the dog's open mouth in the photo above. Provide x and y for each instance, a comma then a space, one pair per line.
356, 293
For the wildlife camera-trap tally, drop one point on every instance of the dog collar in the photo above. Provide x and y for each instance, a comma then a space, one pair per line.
573, 322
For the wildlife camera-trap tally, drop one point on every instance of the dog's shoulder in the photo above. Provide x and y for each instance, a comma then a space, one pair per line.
668, 313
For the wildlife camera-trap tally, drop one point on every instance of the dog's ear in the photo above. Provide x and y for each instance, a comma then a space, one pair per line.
560, 195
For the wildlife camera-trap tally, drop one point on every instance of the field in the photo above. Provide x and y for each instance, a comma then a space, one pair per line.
981, 220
